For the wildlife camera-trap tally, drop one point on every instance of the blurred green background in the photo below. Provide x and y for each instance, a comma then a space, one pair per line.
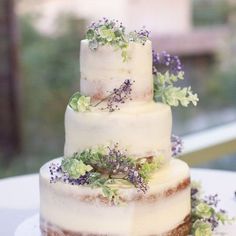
50, 75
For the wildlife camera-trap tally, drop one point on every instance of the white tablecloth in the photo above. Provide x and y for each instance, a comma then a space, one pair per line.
19, 197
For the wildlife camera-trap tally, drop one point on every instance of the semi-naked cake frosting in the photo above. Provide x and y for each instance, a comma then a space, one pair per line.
139, 126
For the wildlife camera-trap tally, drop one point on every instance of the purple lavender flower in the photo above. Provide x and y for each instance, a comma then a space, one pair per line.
213, 221
212, 200
119, 96
144, 32
194, 191
170, 63
176, 145
135, 178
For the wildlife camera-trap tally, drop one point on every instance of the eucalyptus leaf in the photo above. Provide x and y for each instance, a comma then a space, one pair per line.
165, 91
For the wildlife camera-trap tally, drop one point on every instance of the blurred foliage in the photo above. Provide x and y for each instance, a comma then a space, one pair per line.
50, 66
50, 75
210, 12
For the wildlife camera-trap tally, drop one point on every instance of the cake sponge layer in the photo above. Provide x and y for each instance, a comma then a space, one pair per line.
81, 209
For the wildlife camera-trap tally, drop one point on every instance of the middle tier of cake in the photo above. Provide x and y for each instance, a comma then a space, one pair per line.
143, 129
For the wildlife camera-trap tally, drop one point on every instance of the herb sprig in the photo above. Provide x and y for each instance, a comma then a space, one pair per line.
164, 88
112, 32
206, 216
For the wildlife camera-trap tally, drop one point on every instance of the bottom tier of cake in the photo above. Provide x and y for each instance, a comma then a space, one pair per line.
67, 210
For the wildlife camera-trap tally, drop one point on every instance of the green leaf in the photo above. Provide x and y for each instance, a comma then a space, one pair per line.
224, 218
90, 34
111, 194
124, 54
73, 100
148, 168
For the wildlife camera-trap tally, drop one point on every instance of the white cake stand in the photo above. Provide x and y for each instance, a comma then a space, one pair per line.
30, 227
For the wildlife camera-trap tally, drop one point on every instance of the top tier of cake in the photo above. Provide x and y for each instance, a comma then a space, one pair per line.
103, 69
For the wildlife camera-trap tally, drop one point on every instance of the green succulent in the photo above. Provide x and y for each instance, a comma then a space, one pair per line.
80, 103
204, 210
201, 228
75, 168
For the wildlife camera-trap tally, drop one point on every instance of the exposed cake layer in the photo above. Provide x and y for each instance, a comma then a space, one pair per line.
103, 69
79, 209
47, 229
143, 129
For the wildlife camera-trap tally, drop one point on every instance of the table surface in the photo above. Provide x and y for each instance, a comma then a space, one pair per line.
19, 197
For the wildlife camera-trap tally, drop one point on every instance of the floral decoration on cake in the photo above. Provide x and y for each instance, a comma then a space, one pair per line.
112, 32
104, 166
206, 215
116, 97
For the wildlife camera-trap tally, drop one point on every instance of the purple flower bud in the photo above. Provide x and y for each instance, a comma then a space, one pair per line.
172, 63
176, 145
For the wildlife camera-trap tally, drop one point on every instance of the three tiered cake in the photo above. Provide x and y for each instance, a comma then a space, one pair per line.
118, 175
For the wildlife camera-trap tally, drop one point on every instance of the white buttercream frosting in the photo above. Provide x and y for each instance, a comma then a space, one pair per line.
103, 69
143, 129
61, 205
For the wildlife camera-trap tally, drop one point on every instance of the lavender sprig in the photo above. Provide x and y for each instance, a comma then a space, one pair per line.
136, 179
212, 200
118, 96
176, 145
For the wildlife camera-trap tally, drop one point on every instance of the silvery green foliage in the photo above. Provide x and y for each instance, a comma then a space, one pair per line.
112, 32
165, 90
